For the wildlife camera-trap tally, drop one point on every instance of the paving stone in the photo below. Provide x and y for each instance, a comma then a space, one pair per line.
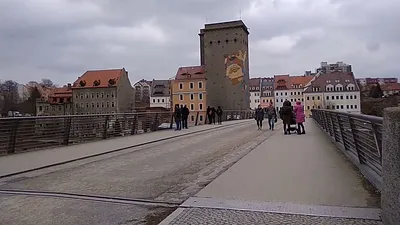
204, 216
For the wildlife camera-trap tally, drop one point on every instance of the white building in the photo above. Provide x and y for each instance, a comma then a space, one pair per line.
255, 92
334, 91
160, 94
281, 90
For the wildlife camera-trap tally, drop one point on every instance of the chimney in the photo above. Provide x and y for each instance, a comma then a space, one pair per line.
69, 86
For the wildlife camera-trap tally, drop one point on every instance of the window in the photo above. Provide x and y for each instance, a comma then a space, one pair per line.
76, 96
308, 107
191, 85
97, 95
40, 108
192, 106
355, 106
337, 97
341, 106
92, 95
312, 97
87, 95
81, 105
112, 104
108, 104
327, 107
347, 97
341, 97
81, 96
158, 100
181, 97
102, 105
351, 106
200, 96
318, 98
355, 96
98, 105
200, 85
308, 97
285, 93
87, 105
162, 100
112, 94
347, 106
281, 100
276, 93
192, 118
337, 106
201, 117
180, 85
102, 95
191, 97
351, 96
201, 106
277, 100
154, 100
327, 97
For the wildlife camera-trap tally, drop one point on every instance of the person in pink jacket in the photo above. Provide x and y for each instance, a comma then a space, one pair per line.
300, 117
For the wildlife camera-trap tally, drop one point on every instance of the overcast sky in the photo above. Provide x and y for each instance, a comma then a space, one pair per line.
61, 39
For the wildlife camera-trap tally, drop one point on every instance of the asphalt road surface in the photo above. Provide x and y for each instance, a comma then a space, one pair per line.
140, 185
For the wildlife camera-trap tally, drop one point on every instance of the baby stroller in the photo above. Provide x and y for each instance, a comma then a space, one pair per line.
293, 124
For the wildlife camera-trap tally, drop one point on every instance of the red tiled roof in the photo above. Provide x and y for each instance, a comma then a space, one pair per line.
190, 72
99, 75
281, 81
254, 82
299, 81
63, 92
390, 87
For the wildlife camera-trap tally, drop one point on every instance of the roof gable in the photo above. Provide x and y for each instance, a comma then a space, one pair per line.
190, 72
99, 78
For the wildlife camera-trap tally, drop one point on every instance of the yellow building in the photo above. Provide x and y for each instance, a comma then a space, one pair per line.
189, 88
313, 101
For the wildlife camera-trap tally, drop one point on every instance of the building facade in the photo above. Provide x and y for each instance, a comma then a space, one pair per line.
334, 67
189, 88
59, 102
381, 81
334, 91
255, 92
224, 53
160, 94
103, 92
281, 90
297, 85
142, 93
267, 91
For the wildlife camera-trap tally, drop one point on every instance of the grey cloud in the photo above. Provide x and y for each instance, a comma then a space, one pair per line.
61, 39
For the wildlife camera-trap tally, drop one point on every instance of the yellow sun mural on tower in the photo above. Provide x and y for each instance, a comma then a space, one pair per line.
235, 66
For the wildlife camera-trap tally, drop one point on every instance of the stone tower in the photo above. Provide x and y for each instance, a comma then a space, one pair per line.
224, 53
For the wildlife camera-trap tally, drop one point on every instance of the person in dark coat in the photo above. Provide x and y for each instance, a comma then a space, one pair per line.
259, 116
185, 116
178, 117
219, 114
271, 114
213, 113
286, 115
209, 115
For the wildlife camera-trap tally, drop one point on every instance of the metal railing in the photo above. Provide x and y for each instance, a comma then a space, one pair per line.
19, 134
360, 138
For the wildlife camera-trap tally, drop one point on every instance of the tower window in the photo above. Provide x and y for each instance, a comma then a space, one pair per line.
219, 42
226, 40
235, 40
210, 42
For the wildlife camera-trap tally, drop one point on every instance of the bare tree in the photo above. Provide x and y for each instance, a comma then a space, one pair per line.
47, 83
9, 95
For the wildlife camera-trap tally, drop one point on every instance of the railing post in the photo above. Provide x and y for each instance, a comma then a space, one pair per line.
390, 196
341, 130
378, 142
197, 118
106, 122
13, 136
67, 130
134, 125
155, 123
355, 140
172, 121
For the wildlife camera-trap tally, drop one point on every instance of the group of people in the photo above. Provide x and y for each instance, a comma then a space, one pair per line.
212, 112
181, 115
289, 115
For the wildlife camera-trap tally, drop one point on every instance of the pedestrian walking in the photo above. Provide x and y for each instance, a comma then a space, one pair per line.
185, 116
272, 117
219, 115
259, 116
300, 117
209, 115
286, 115
213, 114
177, 117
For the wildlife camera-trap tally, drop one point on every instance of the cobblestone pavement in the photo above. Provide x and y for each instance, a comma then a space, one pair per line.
203, 216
